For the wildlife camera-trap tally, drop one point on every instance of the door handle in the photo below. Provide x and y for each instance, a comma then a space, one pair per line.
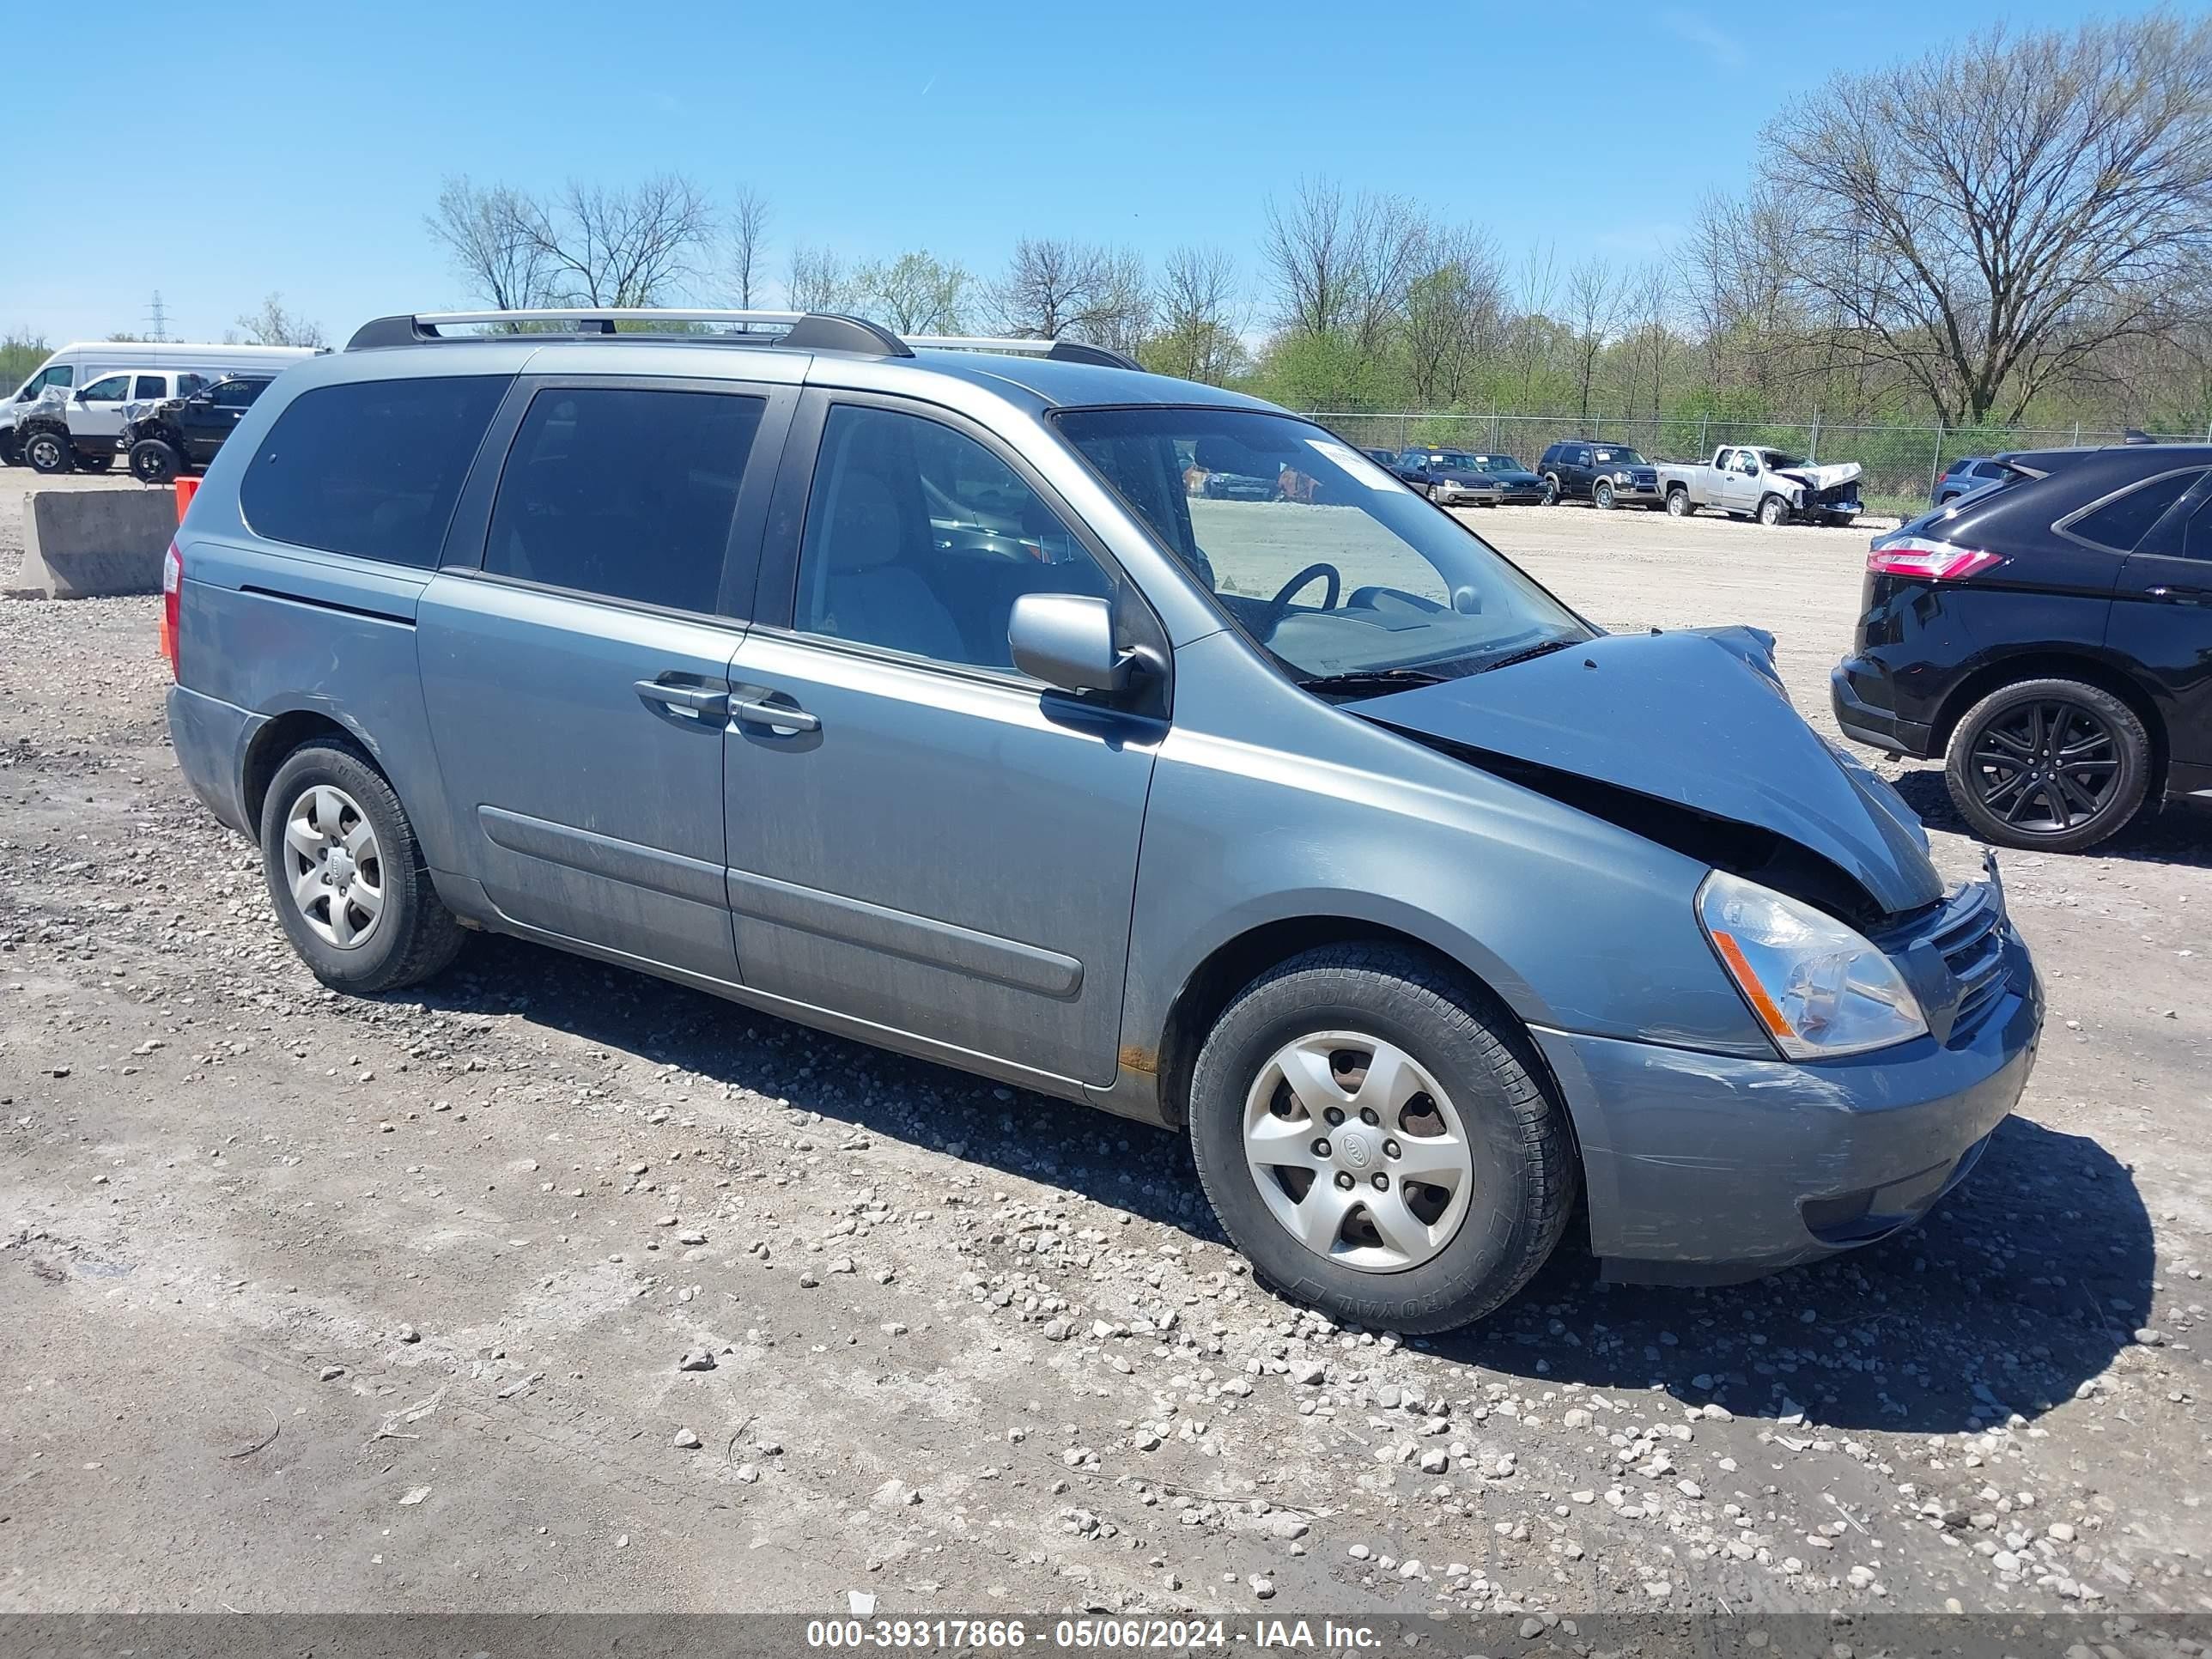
693, 699
755, 712
2182, 595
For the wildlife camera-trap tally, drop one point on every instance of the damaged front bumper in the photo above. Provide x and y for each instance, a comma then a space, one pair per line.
1707, 1168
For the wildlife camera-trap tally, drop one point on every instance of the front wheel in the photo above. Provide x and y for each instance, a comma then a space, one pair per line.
1433, 496
1551, 490
1370, 1129
2053, 765
48, 452
347, 875
1602, 495
1773, 511
153, 461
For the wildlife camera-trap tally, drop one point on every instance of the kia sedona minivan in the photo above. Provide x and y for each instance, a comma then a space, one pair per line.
920, 692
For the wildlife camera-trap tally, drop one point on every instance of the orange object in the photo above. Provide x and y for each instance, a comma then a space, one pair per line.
1762, 1003
185, 486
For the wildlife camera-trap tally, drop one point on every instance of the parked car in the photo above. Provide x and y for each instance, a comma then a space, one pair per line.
1747, 481
1450, 478
1312, 829
2047, 638
1517, 486
1965, 476
1606, 474
86, 363
163, 439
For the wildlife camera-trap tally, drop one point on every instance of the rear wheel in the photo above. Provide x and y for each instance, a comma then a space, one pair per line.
347, 876
1370, 1129
2053, 765
153, 461
1678, 503
48, 452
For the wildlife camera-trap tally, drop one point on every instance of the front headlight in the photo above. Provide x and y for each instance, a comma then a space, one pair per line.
1818, 987
1620, 477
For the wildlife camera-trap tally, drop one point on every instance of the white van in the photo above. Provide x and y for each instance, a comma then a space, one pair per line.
86, 373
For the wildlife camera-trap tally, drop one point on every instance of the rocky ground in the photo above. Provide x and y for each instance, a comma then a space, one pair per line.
552, 1287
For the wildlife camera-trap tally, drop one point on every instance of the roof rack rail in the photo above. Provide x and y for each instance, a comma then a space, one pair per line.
807, 330
1064, 351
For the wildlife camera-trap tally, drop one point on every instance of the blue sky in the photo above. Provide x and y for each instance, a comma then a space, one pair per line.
301, 145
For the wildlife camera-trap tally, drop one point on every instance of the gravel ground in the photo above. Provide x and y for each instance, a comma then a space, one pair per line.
550, 1286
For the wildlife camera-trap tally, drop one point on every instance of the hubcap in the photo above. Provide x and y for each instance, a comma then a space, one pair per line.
333, 866
1357, 1152
2046, 767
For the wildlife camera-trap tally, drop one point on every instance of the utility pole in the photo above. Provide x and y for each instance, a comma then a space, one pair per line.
158, 318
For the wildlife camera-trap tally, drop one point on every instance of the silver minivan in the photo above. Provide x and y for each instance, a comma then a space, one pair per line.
1122, 739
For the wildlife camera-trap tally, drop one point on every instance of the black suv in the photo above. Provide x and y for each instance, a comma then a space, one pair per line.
1606, 475
163, 439
2051, 637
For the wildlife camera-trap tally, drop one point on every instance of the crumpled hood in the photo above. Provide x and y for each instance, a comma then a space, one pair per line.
1696, 717
1822, 478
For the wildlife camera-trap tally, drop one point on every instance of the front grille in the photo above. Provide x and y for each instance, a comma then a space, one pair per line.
1970, 937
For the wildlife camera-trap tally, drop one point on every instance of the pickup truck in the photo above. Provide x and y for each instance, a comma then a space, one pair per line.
1772, 485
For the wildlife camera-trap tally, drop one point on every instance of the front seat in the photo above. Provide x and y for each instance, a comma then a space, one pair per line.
868, 594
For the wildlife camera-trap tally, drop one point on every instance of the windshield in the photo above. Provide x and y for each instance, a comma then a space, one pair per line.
1775, 457
1456, 457
1618, 457
1335, 567
1498, 464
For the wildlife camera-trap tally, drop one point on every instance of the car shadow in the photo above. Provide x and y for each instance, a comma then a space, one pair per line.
2022, 1284
2179, 834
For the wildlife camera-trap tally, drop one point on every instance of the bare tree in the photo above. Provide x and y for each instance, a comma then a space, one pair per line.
637, 245
817, 280
485, 231
1341, 264
1987, 218
1455, 316
1081, 289
744, 259
1536, 290
1647, 308
1738, 273
274, 325
916, 292
1593, 312
1201, 317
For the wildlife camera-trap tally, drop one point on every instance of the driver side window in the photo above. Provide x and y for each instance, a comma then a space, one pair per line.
919, 539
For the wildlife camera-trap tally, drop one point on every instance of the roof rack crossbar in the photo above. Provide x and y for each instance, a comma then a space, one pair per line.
806, 331
1066, 351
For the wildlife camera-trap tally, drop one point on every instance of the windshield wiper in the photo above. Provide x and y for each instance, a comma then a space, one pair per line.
1372, 679
1529, 655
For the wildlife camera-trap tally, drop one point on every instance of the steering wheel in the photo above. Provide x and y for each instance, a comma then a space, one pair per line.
1281, 602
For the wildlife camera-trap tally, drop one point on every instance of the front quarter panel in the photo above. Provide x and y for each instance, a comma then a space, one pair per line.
1268, 805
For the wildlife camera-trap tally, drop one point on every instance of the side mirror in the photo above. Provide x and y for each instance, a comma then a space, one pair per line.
1066, 640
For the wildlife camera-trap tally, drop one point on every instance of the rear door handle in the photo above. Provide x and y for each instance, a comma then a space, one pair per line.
755, 712
693, 699
2182, 595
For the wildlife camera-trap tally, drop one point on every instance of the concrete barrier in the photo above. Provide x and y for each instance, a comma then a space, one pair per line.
90, 543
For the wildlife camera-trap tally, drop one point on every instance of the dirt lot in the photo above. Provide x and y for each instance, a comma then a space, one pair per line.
318, 1304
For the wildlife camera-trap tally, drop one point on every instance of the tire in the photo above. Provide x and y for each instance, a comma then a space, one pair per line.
1432, 495
154, 461
11, 448
48, 452
1602, 495
1679, 505
1551, 490
412, 935
98, 463
2025, 730
1521, 1174
1772, 510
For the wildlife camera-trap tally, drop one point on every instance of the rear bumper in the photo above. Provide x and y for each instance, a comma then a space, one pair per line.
1858, 689
211, 738
1706, 1168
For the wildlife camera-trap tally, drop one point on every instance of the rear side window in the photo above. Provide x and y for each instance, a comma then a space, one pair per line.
236, 394
2119, 524
150, 386
624, 492
371, 468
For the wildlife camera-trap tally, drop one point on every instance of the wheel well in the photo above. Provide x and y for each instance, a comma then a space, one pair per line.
274, 742
2053, 665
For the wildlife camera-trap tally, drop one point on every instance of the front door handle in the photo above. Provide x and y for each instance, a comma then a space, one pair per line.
693, 699
2182, 595
774, 713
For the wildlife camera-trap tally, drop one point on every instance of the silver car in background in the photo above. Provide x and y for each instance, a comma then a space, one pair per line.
922, 693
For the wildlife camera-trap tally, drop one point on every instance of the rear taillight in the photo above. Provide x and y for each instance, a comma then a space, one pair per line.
1928, 561
173, 589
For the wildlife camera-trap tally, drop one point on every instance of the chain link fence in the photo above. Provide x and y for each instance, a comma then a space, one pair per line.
1901, 463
